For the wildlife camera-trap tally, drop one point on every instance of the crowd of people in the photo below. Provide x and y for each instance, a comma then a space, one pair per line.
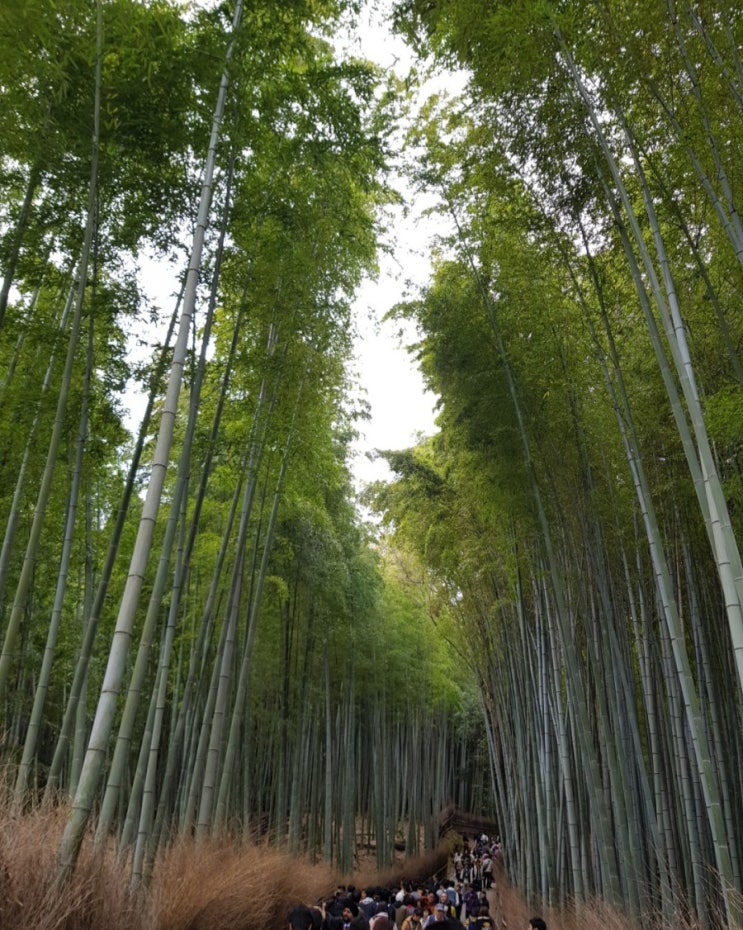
458, 903
475, 862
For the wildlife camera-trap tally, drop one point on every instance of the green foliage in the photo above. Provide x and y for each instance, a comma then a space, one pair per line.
589, 184
344, 649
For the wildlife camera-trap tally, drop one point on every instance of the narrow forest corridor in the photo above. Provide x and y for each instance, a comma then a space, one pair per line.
224, 651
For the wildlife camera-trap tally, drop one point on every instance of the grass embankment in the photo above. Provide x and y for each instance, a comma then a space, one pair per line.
207, 887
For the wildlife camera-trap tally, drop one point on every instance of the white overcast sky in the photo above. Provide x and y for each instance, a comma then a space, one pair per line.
401, 410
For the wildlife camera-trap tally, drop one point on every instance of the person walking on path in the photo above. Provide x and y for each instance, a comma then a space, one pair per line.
487, 872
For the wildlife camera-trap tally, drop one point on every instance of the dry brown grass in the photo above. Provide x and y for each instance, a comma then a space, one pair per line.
511, 912
97, 895
418, 869
197, 887
211, 886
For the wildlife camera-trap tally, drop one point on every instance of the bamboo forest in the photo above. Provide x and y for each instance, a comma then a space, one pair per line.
209, 633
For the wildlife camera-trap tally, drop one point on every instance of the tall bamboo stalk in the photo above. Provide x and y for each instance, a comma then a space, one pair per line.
115, 669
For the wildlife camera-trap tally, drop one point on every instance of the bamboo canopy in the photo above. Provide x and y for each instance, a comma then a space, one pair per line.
206, 630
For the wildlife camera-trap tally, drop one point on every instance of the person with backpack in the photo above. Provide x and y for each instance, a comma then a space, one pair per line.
455, 896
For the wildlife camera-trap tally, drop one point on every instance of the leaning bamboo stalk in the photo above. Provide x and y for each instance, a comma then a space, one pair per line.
177, 732
616, 389
92, 617
726, 211
724, 545
128, 718
115, 669
734, 76
710, 291
688, 688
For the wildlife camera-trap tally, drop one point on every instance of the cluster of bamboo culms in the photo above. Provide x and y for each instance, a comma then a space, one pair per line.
580, 511
196, 637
